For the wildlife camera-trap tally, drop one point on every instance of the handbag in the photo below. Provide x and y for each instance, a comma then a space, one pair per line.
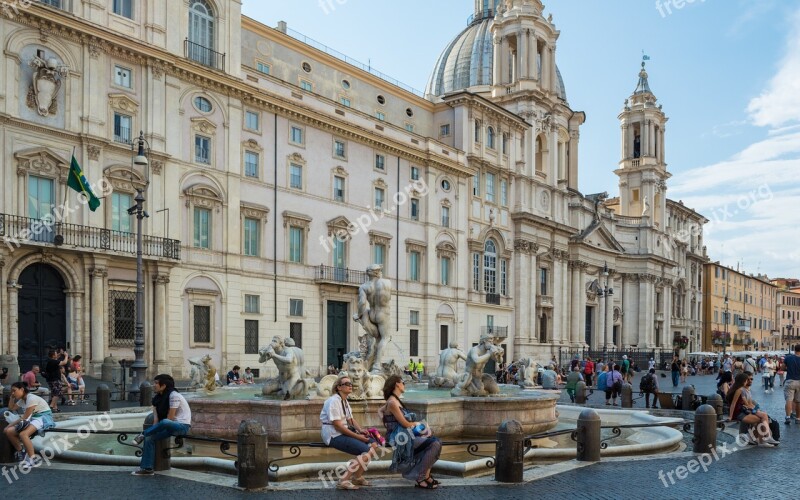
21, 426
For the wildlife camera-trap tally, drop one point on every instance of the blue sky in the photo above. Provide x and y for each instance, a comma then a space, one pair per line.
726, 71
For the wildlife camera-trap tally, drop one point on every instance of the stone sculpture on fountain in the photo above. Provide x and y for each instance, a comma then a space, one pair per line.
292, 382
203, 373
528, 371
447, 374
473, 382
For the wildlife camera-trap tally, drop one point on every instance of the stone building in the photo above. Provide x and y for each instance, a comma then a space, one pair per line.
265, 148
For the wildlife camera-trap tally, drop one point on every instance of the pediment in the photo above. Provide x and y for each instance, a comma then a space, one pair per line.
339, 224
597, 235
42, 161
123, 102
124, 179
203, 125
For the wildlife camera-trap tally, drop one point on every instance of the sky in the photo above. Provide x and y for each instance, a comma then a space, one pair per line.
726, 71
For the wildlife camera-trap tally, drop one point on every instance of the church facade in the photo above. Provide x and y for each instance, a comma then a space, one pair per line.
278, 172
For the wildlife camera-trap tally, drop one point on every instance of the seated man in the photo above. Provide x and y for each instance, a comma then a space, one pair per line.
233, 376
550, 379
248, 376
171, 417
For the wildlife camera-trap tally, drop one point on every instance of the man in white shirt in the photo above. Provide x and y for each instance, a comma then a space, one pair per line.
171, 417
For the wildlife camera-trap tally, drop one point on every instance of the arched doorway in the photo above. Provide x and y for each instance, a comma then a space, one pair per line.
42, 314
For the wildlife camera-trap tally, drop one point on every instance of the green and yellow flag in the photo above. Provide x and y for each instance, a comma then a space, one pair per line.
78, 182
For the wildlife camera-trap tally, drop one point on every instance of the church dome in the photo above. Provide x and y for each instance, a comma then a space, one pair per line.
467, 61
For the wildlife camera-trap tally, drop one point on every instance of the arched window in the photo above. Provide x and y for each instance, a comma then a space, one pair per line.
490, 267
201, 32
490, 137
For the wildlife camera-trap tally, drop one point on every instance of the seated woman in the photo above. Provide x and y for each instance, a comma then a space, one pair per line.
415, 451
75, 383
340, 431
745, 410
38, 416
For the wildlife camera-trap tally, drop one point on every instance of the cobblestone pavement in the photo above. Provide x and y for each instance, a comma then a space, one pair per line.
747, 473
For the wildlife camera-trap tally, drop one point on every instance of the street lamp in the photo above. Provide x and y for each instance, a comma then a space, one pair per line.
139, 365
725, 337
605, 292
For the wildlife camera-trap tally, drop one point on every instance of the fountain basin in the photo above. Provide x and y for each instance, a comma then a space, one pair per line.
448, 417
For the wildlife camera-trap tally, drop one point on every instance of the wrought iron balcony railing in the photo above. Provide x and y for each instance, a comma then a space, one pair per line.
340, 275
495, 331
16, 231
493, 298
204, 55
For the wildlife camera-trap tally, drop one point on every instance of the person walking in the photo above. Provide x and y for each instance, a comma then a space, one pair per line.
675, 370
613, 385
768, 375
791, 389
171, 417
588, 371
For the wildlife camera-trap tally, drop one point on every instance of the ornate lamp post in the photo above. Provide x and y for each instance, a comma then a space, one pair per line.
139, 364
725, 337
605, 293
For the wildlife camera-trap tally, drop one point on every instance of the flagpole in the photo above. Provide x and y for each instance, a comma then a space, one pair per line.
66, 188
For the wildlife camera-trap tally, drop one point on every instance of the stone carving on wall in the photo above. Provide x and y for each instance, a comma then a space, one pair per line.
43, 92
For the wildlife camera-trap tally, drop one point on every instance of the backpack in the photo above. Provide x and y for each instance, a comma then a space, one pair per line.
648, 383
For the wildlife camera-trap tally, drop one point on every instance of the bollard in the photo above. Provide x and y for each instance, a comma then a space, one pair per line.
588, 436
145, 393
580, 393
103, 398
253, 463
687, 398
626, 396
6, 450
162, 459
705, 429
715, 400
509, 452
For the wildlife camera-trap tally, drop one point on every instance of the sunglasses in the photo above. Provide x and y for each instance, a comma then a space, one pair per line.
346, 384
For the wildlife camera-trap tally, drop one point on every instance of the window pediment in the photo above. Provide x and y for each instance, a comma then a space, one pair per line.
254, 211
124, 179
123, 103
380, 183
415, 246
339, 225
297, 220
297, 157
340, 171
203, 125
251, 144
445, 249
42, 162
203, 196
379, 238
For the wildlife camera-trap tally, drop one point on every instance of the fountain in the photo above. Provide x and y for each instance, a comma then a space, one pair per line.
447, 372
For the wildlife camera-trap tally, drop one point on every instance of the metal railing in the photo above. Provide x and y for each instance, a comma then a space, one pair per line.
495, 331
17, 230
493, 298
340, 275
482, 15
203, 55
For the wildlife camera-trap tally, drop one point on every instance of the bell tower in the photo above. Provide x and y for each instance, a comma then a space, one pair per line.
642, 170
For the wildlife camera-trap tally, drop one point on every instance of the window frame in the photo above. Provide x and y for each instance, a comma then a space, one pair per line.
121, 10
119, 138
197, 159
245, 164
301, 131
296, 255
292, 166
335, 152
247, 244
197, 239
248, 113
120, 83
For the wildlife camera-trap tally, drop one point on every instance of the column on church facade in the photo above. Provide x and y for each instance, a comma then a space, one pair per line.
609, 320
623, 332
504, 60
558, 277
546, 70
645, 328
645, 139
622, 136
522, 289
13, 319
666, 335
497, 68
76, 315
563, 335
522, 41
578, 304
629, 147
160, 321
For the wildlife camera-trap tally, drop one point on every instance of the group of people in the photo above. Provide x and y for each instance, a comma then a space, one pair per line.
234, 378
64, 376
415, 370
415, 447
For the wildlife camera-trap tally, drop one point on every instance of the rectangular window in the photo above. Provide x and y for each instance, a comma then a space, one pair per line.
543, 281
251, 164
338, 188
413, 348
414, 173
476, 271
444, 341
202, 228
252, 304
504, 193
123, 8
409, 127
251, 336
476, 185
120, 220
296, 176
339, 149
490, 188
296, 244
380, 162
123, 318
380, 115
505, 144
414, 209
477, 131
262, 68
296, 135
345, 101
296, 334
444, 130
122, 128
446, 216
296, 307
251, 237
379, 198
413, 317
445, 265
251, 120
202, 325
122, 77
339, 253
202, 149
379, 254
503, 277
41, 197
413, 266
306, 85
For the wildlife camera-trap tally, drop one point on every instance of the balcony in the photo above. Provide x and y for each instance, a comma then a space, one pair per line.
495, 331
16, 231
339, 275
493, 298
545, 301
203, 55
65, 5
744, 325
